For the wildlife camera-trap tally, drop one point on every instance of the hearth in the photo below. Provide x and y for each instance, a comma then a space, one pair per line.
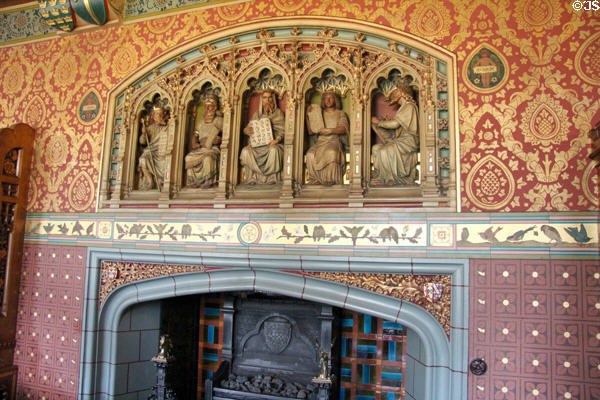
275, 347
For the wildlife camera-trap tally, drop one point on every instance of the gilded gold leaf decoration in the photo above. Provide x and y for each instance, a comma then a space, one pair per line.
537, 16
490, 184
116, 274
411, 288
431, 20
545, 122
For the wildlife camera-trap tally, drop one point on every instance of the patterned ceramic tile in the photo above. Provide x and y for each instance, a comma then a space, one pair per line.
536, 363
49, 339
566, 275
567, 334
532, 389
568, 391
505, 389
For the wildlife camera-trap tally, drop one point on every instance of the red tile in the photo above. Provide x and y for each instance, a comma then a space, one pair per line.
506, 331
480, 273
565, 275
568, 391
535, 333
505, 361
480, 387
592, 391
535, 304
536, 363
592, 306
506, 302
535, 273
591, 336
591, 275
505, 273
45, 377
481, 331
46, 357
567, 334
566, 305
532, 389
568, 365
592, 366
505, 389
481, 302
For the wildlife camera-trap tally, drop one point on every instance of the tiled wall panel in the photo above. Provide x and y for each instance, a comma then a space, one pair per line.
535, 323
49, 322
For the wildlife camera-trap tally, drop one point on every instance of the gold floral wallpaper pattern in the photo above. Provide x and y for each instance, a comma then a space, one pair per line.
528, 80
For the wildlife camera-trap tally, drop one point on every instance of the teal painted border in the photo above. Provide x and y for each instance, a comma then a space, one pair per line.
445, 376
23, 24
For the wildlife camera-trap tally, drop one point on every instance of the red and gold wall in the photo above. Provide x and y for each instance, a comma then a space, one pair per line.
524, 143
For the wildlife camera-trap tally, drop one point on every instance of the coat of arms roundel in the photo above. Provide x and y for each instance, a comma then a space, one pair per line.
277, 333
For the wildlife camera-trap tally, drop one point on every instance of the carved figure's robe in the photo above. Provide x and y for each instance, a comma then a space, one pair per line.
201, 163
153, 157
396, 160
325, 160
263, 164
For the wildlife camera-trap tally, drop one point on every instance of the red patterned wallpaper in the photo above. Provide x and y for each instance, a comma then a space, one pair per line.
529, 91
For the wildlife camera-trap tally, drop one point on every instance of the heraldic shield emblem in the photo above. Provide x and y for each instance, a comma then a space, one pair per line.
433, 291
277, 333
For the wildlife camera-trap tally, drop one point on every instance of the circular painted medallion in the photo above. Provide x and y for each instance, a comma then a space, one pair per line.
486, 70
249, 233
89, 108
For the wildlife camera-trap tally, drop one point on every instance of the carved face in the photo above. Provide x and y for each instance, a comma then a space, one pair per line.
210, 109
158, 116
268, 103
329, 100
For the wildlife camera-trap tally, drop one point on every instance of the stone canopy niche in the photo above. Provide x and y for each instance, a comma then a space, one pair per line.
286, 116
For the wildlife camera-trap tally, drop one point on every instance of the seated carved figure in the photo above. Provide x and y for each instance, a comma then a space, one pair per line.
153, 136
395, 159
263, 164
201, 164
325, 160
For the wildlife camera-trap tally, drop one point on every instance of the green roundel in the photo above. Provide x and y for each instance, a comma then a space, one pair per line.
93, 11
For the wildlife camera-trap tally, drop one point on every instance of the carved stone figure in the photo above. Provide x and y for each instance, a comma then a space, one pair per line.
395, 159
263, 164
325, 160
201, 164
153, 137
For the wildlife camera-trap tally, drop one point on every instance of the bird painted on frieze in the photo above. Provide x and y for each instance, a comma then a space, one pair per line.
490, 234
518, 235
551, 232
580, 235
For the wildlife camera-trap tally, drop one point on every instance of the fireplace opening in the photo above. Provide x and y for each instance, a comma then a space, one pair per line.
255, 345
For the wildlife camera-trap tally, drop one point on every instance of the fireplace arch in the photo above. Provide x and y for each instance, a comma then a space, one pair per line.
444, 357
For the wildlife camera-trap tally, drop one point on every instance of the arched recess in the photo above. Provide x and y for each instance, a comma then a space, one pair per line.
293, 47
445, 358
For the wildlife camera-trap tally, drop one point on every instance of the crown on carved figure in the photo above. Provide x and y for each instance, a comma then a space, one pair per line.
332, 83
266, 83
389, 86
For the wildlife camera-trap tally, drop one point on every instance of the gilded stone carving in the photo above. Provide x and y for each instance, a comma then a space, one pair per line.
285, 67
115, 274
432, 292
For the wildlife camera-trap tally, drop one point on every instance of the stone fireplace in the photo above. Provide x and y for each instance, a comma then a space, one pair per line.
436, 360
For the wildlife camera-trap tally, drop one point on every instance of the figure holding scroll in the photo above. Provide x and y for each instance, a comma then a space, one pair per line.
263, 161
325, 160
